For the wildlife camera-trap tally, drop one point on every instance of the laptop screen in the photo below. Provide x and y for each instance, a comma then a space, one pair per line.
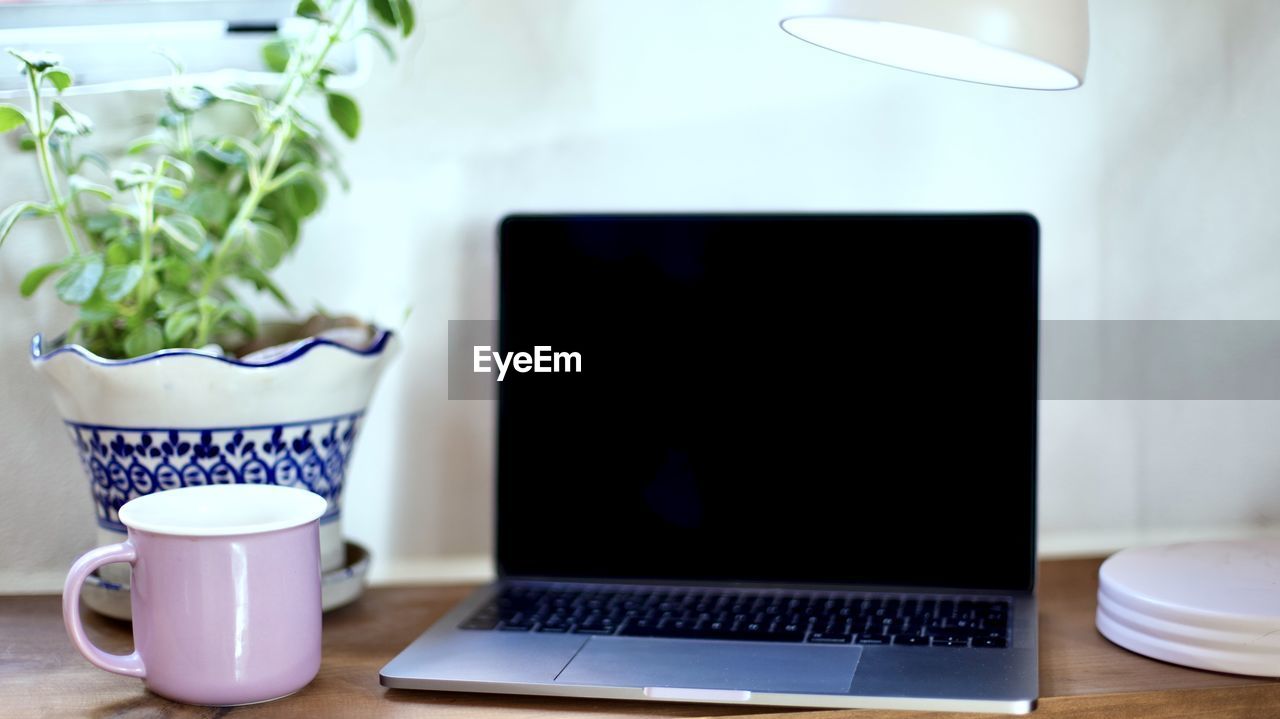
785, 399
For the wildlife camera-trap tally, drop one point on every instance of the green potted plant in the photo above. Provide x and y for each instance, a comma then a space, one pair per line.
166, 378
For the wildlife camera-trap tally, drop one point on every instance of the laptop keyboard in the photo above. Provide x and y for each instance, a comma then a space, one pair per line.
816, 618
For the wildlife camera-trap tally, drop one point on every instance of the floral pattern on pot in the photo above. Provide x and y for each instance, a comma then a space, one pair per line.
124, 463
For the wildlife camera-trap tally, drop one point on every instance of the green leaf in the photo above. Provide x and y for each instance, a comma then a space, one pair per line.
129, 180
300, 197
207, 307
382, 9
142, 144
14, 212
406, 17
185, 230
394, 13
123, 234
305, 198
243, 320
242, 317
222, 158
260, 280
238, 95
345, 113
83, 275
11, 118
322, 76
209, 204
285, 214
169, 300
36, 277
187, 99
169, 162
119, 281
232, 150
97, 159
381, 39
301, 148
269, 245
178, 325
128, 213
59, 78
101, 223
176, 271
98, 310
176, 188
145, 339
305, 127
69, 123
275, 55
79, 184
309, 9
37, 61
27, 143
167, 201
118, 254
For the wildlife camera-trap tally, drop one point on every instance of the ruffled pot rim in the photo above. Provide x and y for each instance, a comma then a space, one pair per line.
376, 346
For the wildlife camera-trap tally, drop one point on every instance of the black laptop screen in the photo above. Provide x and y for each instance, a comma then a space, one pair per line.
810, 400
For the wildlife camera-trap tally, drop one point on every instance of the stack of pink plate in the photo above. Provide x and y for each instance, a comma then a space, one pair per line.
1210, 605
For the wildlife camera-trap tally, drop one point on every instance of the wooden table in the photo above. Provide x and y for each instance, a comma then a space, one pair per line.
1081, 674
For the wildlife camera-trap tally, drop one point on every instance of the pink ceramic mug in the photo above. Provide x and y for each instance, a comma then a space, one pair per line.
225, 592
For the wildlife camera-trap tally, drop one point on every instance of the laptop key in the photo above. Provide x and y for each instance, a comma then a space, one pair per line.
824, 638
990, 642
950, 642
872, 639
911, 641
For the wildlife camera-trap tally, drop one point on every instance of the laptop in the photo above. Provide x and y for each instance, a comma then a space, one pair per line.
795, 466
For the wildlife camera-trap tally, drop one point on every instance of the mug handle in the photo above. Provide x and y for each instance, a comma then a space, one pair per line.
129, 665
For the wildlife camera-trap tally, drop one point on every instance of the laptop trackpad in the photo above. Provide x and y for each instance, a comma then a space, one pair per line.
702, 664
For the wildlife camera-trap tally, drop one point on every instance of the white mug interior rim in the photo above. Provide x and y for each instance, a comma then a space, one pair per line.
222, 510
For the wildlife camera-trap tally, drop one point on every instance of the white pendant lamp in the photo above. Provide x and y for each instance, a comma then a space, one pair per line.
1029, 44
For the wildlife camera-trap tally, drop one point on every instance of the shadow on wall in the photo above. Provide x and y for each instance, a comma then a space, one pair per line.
443, 482
42, 477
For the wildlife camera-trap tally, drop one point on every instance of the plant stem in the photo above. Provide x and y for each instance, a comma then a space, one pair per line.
185, 150
298, 80
257, 191
147, 233
298, 75
46, 165
64, 162
203, 329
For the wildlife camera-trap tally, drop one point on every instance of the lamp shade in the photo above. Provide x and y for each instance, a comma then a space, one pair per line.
1031, 44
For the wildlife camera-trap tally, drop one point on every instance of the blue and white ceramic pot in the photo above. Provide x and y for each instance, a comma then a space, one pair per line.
178, 418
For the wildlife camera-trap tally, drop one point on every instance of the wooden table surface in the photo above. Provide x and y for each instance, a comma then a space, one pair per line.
1081, 674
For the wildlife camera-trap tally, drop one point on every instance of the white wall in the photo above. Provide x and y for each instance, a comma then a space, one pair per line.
1153, 184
